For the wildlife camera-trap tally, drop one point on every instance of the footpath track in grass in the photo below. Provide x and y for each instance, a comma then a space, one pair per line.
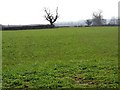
60, 58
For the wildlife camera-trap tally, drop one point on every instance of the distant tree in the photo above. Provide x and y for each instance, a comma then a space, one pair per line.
50, 17
113, 21
88, 22
104, 21
98, 18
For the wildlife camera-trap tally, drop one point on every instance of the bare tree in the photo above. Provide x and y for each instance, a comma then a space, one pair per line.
88, 22
98, 18
50, 17
113, 21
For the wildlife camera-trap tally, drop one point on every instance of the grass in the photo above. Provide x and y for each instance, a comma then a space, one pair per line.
85, 57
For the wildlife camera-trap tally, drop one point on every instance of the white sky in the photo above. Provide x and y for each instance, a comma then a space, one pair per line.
32, 11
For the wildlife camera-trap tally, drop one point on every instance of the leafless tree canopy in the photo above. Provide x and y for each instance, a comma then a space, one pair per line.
98, 18
50, 17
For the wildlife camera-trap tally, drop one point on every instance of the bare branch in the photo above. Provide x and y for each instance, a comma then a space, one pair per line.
57, 11
47, 18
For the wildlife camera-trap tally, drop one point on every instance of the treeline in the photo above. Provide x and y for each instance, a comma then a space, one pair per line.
102, 22
25, 27
98, 20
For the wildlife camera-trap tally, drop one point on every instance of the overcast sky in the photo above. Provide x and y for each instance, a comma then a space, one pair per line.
32, 11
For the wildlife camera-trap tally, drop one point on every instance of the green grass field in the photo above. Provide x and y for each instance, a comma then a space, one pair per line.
81, 57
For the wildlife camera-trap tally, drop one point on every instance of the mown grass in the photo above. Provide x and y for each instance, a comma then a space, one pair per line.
61, 58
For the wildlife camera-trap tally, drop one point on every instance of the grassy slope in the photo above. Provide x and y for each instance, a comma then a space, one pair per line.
63, 57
